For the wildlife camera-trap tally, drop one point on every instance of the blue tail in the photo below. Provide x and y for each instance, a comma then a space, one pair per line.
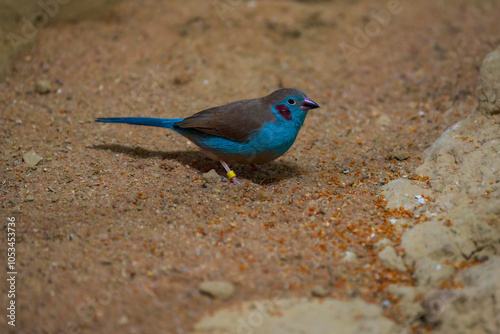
159, 122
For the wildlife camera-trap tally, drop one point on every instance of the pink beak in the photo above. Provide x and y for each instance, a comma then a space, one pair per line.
308, 104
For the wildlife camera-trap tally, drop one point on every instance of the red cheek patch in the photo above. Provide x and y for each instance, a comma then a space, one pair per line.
284, 111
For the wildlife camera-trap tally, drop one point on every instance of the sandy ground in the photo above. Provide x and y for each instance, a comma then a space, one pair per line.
116, 227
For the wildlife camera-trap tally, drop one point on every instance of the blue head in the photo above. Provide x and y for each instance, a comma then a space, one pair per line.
290, 106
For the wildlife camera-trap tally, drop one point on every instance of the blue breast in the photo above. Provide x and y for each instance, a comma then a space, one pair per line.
270, 142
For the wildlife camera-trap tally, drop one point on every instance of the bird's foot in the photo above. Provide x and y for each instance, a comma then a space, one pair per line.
230, 174
233, 180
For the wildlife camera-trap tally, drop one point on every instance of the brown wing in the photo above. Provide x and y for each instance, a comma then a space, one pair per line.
236, 120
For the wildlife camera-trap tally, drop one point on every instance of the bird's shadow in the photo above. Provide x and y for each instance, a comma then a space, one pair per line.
276, 170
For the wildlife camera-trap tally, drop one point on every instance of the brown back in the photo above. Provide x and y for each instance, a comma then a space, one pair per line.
237, 120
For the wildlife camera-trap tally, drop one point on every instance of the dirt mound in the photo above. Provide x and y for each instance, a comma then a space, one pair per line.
295, 316
462, 204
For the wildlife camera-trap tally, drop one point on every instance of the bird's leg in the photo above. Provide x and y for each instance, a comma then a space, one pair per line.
230, 173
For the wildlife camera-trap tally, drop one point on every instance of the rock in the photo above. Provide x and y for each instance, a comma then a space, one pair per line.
434, 303
463, 167
402, 193
430, 273
408, 302
468, 197
42, 86
472, 231
467, 150
431, 240
401, 155
383, 121
23, 193
319, 291
473, 309
487, 274
349, 257
211, 176
389, 258
217, 289
404, 292
294, 316
31, 158
488, 92
182, 79
382, 243
484, 254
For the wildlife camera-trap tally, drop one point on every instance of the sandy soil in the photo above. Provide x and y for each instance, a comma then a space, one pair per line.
116, 227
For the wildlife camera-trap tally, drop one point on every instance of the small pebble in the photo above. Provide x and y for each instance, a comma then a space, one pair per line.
381, 244
401, 155
31, 158
43, 87
391, 259
349, 257
182, 79
211, 176
383, 121
217, 289
319, 291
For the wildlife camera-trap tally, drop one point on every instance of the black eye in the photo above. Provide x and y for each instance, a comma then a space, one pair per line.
291, 102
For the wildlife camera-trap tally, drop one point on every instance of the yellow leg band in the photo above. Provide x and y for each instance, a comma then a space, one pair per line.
231, 174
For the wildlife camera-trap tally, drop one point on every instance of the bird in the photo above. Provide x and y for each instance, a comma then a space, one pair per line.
245, 132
